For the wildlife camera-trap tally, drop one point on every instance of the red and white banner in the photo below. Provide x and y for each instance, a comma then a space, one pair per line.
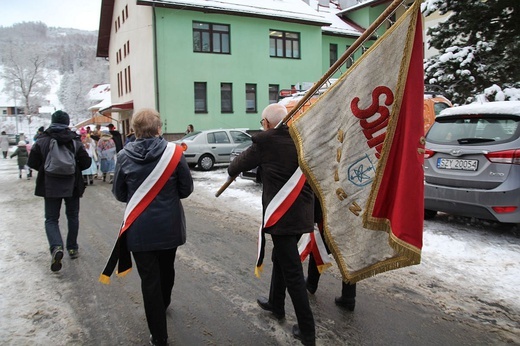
361, 148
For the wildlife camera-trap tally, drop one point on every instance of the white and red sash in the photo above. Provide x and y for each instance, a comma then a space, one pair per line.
277, 208
313, 243
139, 201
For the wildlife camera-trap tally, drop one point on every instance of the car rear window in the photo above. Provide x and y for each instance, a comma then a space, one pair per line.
474, 129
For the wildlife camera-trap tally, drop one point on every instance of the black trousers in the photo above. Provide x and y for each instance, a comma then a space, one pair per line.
157, 272
348, 291
288, 275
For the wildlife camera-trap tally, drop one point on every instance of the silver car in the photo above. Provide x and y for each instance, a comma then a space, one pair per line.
472, 162
205, 148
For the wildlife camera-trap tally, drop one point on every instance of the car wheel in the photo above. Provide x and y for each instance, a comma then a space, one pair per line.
429, 214
206, 162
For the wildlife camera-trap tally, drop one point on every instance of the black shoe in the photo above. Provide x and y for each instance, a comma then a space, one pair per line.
264, 303
73, 253
57, 255
346, 303
307, 341
158, 342
311, 288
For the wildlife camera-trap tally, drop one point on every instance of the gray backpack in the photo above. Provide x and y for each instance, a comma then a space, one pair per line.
60, 160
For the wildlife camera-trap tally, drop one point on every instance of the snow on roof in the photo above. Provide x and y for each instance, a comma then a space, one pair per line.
361, 3
338, 25
99, 92
498, 107
283, 9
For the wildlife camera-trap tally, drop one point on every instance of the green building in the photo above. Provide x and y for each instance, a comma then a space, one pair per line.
217, 64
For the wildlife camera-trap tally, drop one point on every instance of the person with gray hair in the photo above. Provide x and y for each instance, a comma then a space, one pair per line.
274, 152
150, 168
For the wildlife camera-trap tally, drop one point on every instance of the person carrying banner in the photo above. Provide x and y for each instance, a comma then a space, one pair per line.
152, 177
274, 152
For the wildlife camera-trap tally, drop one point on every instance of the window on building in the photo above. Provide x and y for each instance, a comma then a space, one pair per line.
126, 80
333, 53
201, 99
123, 15
226, 97
274, 89
129, 80
251, 98
126, 11
211, 38
284, 44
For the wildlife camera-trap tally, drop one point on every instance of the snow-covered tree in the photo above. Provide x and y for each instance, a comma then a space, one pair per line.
479, 47
24, 76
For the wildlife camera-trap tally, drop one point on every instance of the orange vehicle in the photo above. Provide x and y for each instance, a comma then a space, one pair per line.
433, 105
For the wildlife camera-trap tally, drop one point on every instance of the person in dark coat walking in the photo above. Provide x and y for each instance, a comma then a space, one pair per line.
116, 136
22, 154
274, 152
156, 233
56, 189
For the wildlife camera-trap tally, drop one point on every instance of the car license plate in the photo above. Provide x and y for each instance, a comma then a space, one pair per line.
457, 164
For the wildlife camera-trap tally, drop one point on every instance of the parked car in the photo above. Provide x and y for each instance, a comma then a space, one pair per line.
433, 105
252, 174
472, 162
205, 148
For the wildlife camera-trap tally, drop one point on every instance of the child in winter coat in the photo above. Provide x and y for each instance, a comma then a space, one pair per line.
23, 155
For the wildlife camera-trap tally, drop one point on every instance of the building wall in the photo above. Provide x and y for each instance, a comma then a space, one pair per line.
249, 62
342, 43
135, 35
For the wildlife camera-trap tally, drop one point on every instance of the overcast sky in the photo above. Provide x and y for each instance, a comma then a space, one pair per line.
78, 14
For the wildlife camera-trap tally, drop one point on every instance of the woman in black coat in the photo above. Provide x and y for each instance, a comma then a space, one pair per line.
156, 233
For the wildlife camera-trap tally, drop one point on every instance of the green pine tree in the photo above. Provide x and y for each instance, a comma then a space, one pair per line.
479, 47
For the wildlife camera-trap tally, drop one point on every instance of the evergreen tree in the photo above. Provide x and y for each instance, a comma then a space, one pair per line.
479, 47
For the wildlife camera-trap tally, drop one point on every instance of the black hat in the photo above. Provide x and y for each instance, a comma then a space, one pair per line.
60, 117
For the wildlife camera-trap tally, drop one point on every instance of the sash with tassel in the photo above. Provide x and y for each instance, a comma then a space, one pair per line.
140, 200
278, 206
313, 243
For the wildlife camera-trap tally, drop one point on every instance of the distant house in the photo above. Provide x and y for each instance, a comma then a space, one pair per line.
217, 64
100, 97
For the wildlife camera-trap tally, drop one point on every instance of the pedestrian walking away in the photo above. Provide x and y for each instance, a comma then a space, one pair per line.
58, 188
154, 170
4, 144
274, 152
116, 136
22, 156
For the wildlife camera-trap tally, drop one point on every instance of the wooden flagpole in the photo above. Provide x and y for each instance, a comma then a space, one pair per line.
333, 69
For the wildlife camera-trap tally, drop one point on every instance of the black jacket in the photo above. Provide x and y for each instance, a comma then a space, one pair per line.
275, 153
162, 224
51, 187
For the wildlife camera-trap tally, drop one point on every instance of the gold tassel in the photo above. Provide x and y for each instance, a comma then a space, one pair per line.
123, 274
104, 279
258, 270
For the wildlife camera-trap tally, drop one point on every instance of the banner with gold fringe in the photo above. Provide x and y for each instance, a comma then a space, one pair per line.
361, 148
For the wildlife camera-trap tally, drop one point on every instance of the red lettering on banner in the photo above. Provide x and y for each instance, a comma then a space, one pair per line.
377, 124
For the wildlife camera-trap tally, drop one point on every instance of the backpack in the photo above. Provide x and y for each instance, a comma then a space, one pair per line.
60, 160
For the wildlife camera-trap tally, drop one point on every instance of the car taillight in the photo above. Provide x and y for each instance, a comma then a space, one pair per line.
505, 209
506, 156
428, 153
184, 146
